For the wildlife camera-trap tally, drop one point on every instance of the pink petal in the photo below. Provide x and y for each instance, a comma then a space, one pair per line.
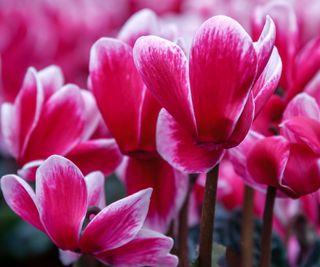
148, 248
139, 24
302, 174
163, 67
117, 224
28, 171
55, 132
268, 81
267, 160
243, 124
181, 150
51, 79
62, 196
68, 257
118, 89
21, 199
95, 189
265, 43
304, 129
223, 65
98, 154
166, 200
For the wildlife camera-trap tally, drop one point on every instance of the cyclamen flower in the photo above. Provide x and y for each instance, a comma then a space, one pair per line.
209, 105
61, 206
49, 118
130, 112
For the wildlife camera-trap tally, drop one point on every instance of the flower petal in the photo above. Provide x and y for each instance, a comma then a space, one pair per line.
99, 154
51, 79
28, 171
223, 65
68, 257
95, 189
62, 196
10, 135
181, 150
268, 81
117, 224
163, 67
148, 248
21, 199
118, 90
55, 132
166, 200
267, 160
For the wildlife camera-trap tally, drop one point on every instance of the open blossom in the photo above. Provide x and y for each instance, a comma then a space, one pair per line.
62, 207
130, 112
209, 105
49, 118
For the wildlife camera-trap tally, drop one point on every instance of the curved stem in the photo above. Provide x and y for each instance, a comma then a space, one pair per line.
207, 218
247, 227
267, 227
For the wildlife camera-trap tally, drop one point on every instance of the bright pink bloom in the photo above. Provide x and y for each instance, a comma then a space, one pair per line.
49, 118
130, 112
114, 235
209, 105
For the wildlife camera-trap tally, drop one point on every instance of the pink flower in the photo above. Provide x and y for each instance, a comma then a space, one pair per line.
130, 112
49, 118
113, 235
209, 105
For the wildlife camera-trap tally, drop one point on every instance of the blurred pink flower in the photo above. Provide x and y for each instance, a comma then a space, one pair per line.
113, 235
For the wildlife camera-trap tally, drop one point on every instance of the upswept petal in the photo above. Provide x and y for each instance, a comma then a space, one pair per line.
117, 224
268, 81
265, 43
98, 154
62, 200
267, 159
139, 24
9, 123
21, 199
28, 171
163, 67
28, 107
165, 200
223, 66
302, 174
95, 189
60, 125
180, 148
302, 105
118, 90
304, 129
243, 124
148, 248
51, 79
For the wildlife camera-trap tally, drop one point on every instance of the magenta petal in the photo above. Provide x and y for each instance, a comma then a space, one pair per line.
166, 200
267, 160
148, 248
60, 125
98, 154
28, 171
268, 81
180, 148
62, 196
21, 199
264, 45
117, 224
118, 90
302, 174
51, 79
163, 67
95, 189
139, 24
223, 65
305, 129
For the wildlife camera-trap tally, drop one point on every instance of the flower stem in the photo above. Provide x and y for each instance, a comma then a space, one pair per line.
247, 227
207, 218
267, 227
